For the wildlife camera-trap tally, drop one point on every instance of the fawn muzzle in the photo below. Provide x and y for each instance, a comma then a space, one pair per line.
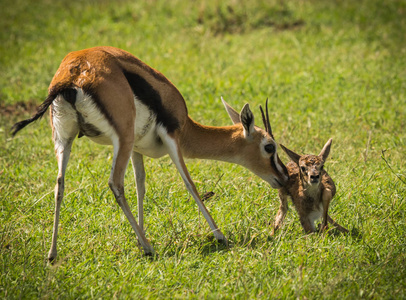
314, 179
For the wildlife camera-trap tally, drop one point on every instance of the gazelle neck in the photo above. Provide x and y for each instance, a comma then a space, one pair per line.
210, 142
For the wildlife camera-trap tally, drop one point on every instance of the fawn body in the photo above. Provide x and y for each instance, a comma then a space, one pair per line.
310, 188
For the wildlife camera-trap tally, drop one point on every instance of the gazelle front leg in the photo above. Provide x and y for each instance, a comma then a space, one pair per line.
176, 156
139, 173
122, 153
62, 151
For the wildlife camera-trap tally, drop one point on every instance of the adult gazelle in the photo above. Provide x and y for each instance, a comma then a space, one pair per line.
111, 97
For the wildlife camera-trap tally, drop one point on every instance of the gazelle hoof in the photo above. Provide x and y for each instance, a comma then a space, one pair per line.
221, 239
51, 259
149, 252
52, 256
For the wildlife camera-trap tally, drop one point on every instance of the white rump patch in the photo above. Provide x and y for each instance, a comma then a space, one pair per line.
91, 114
64, 121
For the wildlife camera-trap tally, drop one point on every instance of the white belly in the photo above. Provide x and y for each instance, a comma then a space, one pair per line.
146, 139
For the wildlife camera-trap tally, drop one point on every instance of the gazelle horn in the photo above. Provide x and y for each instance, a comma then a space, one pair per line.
267, 124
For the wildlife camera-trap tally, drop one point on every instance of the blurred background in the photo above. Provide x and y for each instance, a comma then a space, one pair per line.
329, 68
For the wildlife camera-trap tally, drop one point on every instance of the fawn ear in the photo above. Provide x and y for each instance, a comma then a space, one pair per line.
326, 150
247, 120
293, 156
234, 115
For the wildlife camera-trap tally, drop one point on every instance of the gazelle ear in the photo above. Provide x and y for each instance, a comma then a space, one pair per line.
293, 156
326, 150
235, 117
247, 120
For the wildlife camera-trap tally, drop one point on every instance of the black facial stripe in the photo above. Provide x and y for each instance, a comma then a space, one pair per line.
273, 166
152, 99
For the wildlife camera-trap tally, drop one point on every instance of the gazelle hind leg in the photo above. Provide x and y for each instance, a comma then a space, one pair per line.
62, 151
176, 156
139, 173
122, 153
64, 130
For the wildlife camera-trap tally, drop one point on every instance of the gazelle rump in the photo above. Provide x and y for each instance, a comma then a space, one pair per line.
113, 98
310, 188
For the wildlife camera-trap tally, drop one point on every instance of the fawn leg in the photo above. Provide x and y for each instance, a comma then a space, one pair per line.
335, 224
307, 223
326, 198
283, 208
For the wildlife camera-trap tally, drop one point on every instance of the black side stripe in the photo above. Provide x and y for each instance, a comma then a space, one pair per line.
150, 97
102, 109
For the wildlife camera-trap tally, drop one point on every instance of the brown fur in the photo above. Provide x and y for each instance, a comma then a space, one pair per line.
101, 69
113, 85
310, 188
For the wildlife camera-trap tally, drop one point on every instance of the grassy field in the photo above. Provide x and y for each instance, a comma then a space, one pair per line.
330, 69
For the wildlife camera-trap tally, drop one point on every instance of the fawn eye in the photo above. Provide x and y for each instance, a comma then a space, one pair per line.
270, 148
303, 169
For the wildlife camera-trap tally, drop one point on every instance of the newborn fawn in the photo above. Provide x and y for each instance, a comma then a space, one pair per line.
310, 188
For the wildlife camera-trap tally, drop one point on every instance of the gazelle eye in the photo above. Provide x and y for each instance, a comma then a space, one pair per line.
270, 148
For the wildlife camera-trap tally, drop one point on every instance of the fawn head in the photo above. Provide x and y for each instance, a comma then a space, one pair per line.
310, 166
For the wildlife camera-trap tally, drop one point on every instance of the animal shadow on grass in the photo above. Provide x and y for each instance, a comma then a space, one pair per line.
354, 232
213, 246
206, 244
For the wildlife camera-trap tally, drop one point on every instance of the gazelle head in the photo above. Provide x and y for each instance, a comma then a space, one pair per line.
259, 151
310, 166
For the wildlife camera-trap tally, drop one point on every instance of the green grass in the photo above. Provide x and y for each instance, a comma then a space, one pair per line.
330, 69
